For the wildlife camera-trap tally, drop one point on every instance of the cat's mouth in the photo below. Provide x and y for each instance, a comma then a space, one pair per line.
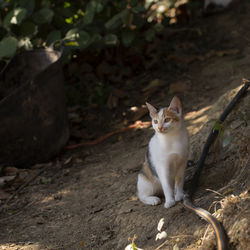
162, 130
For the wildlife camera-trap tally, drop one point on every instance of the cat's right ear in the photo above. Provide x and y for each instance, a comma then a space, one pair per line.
152, 110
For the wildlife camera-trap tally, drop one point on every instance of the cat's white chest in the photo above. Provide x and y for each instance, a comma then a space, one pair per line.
161, 147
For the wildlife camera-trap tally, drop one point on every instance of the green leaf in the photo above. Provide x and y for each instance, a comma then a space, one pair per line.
127, 37
28, 28
150, 35
72, 33
99, 6
158, 27
217, 126
45, 180
44, 15
8, 47
111, 39
29, 5
26, 43
53, 36
90, 12
71, 43
83, 39
116, 20
15, 16
227, 140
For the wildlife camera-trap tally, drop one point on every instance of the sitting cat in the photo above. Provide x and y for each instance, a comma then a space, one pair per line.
166, 159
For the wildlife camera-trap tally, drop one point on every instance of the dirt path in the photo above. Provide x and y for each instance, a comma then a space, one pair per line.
89, 199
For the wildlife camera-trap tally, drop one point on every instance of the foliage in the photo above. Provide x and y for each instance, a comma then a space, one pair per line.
93, 24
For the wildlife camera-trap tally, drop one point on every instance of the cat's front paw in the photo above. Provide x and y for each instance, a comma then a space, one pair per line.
152, 200
169, 203
179, 196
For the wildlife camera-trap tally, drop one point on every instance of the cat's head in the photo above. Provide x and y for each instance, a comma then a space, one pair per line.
166, 119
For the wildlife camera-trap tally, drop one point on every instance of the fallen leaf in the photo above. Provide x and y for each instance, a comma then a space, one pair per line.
82, 243
112, 101
86, 68
182, 59
16, 182
10, 171
104, 69
227, 52
236, 124
67, 161
175, 247
152, 87
41, 165
45, 180
119, 93
4, 180
139, 113
161, 235
153, 84
181, 86
160, 224
4, 195
227, 140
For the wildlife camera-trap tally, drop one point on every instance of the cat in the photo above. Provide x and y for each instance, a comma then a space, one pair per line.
166, 159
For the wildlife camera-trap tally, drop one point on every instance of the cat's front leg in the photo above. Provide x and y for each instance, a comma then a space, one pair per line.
179, 181
167, 183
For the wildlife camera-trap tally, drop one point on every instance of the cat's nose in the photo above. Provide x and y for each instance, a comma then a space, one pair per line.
160, 129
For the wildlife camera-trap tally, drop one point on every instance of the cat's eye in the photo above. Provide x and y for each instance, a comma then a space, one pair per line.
155, 121
167, 120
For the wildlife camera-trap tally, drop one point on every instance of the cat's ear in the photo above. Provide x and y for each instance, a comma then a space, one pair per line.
175, 105
152, 110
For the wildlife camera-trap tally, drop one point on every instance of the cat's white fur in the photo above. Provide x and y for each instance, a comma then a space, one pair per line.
168, 149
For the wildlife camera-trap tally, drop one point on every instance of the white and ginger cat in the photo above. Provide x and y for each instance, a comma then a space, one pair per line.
166, 159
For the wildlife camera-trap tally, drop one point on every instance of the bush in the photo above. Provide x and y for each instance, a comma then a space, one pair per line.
94, 24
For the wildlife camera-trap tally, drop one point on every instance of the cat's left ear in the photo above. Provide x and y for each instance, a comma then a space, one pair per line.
175, 105
152, 110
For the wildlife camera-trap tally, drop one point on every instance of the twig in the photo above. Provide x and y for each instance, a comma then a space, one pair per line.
213, 204
136, 125
215, 192
173, 237
22, 187
6, 218
205, 234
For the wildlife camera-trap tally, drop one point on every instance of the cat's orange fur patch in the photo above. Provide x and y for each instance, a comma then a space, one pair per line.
170, 114
146, 170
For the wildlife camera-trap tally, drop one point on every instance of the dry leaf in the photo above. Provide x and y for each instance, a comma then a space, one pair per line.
112, 101
153, 84
175, 247
16, 182
139, 113
4, 180
104, 68
67, 161
181, 86
10, 171
4, 195
161, 235
160, 224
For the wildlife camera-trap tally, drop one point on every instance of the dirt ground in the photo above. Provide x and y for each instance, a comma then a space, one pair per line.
86, 198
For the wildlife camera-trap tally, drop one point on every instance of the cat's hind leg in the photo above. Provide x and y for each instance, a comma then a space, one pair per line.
147, 190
